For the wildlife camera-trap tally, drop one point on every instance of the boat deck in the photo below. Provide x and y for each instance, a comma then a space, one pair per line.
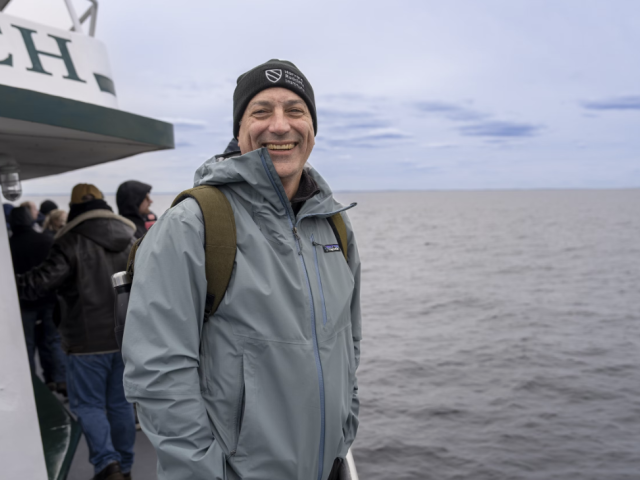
144, 465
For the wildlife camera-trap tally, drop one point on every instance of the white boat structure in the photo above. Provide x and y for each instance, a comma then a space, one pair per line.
58, 112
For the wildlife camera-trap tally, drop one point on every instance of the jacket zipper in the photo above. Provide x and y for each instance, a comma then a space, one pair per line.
316, 350
315, 254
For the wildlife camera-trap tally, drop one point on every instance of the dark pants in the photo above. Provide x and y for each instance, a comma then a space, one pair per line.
96, 397
45, 338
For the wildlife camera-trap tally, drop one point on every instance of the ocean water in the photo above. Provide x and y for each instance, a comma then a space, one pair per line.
501, 335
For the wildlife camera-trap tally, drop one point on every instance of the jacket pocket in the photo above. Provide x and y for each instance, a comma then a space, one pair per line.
245, 414
335, 283
239, 413
315, 257
205, 358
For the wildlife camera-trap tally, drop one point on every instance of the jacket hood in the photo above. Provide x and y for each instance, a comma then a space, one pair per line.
20, 217
253, 174
112, 232
129, 197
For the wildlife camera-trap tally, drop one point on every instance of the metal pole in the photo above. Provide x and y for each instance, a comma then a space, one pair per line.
352, 466
94, 18
86, 14
77, 26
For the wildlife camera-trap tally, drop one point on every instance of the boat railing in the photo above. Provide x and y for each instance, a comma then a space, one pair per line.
349, 471
92, 12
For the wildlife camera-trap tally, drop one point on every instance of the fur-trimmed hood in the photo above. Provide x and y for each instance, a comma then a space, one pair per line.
104, 227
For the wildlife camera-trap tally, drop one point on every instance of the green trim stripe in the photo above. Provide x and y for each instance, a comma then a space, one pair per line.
36, 107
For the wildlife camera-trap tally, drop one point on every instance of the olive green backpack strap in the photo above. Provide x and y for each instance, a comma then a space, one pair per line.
219, 241
340, 230
132, 255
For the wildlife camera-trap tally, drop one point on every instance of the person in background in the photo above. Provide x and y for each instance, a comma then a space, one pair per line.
7, 207
55, 220
28, 250
134, 202
45, 208
47, 336
33, 209
91, 247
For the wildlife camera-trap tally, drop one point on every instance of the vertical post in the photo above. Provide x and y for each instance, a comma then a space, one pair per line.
77, 26
21, 452
94, 18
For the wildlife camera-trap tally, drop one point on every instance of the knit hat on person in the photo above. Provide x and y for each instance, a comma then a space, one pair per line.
80, 193
47, 206
274, 73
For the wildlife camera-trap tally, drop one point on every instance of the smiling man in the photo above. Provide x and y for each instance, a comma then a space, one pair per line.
266, 387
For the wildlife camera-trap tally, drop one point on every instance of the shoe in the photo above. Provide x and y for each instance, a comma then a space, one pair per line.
110, 472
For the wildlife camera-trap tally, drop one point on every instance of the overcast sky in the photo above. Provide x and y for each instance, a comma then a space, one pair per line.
448, 94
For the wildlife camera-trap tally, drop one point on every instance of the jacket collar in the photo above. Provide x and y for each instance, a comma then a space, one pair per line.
253, 175
88, 216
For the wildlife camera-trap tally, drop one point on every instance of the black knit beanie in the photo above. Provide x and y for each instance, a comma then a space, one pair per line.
274, 73
47, 206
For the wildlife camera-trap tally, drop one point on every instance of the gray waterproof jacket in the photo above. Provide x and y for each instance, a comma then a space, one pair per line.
266, 388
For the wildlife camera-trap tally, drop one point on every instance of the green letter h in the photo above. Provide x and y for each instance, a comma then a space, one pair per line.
34, 54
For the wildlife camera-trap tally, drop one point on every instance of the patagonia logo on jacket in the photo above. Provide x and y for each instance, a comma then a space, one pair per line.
331, 248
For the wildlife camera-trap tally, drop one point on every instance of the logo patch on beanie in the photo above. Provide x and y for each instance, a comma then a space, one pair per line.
273, 75
293, 79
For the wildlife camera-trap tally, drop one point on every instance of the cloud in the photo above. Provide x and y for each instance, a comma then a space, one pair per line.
477, 123
198, 86
187, 123
341, 119
629, 102
450, 111
337, 114
499, 128
375, 138
349, 121
418, 165
441, 145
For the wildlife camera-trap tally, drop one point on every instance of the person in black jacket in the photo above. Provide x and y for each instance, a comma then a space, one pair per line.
91, 247
28, 250
133, 201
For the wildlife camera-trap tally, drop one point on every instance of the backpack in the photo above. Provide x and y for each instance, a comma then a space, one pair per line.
220, 249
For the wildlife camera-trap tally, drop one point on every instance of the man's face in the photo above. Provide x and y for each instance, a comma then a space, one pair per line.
144, 206
278, 119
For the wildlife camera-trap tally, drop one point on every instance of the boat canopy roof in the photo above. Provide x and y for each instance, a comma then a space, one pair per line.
48, 135
58, 104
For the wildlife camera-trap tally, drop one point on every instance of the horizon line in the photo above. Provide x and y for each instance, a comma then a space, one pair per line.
394, 190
